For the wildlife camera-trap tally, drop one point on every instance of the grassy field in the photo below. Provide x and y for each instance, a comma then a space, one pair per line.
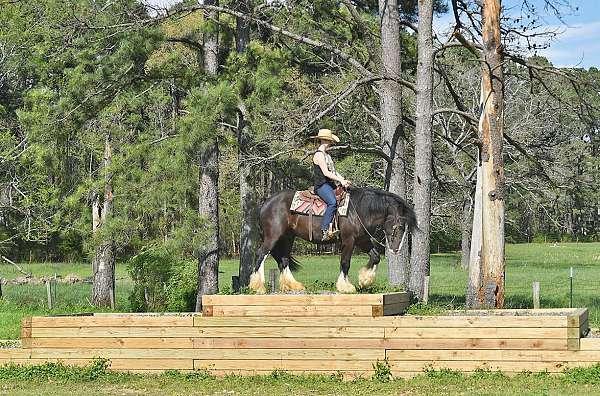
58, 380
545, 263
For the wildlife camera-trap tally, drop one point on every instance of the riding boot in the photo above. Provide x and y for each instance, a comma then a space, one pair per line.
329, 235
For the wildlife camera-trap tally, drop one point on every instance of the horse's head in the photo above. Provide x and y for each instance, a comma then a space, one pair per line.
395, 231
400, 218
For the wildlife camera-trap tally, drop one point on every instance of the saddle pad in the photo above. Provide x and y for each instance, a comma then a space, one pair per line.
318, 206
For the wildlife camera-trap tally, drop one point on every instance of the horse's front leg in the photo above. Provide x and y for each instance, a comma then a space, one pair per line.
257, 278
343, 285
366, 275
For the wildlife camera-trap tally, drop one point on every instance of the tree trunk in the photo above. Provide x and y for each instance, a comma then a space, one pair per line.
466, 231
392, 133
103, 264
490, 292
475, 280
248, 199
419, 263
208, 194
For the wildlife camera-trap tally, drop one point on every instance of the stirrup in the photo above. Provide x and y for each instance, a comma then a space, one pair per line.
330, 235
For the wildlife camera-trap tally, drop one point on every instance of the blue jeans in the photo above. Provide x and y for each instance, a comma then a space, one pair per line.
327, 194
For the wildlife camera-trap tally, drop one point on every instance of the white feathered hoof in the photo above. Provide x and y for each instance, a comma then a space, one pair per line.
366, 277
257, 285
343, 285
288, 283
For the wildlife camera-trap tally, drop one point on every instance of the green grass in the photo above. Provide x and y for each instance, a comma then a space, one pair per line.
56, 379
525, 263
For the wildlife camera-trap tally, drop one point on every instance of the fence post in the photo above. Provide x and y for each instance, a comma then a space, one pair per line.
272, 276
571, 288
54, 286
536, 295
426, 290
49, 293
235, 283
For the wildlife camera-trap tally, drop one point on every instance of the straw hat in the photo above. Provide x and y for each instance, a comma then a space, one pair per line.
326, 134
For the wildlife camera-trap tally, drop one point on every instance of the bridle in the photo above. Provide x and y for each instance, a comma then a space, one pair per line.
394, 229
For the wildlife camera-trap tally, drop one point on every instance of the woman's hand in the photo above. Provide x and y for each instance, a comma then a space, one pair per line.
346, 183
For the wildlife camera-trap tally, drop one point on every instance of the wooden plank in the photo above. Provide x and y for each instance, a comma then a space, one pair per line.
396, 298
493, 355
576, 318
99, 342
590, 344
151, 364
326, 321
289, 343
110, 332
291, 310
476, 321
376, 310
26, 327
395, 309
396, 343
573, 332
217, 332
293, 299
481, 332
207, 310
470, 366
269, 365
553, 344
387, 321
113, 321
213, 354
16, 353
573, 344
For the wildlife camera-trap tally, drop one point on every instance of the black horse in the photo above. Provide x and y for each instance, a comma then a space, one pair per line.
372, 213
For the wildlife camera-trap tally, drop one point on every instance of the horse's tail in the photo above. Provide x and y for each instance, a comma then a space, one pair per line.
293, 264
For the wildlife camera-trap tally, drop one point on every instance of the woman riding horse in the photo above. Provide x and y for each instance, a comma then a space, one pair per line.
375, 219
325, 177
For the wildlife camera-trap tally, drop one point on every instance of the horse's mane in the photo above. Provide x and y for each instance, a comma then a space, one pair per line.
375, 200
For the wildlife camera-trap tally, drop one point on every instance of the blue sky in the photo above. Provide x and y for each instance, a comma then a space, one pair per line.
578, 43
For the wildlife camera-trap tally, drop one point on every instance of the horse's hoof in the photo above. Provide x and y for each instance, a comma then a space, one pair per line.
344, 286
291, 286
256, 285
366, 277
288, 283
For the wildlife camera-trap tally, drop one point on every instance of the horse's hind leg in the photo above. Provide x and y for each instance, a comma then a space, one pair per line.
366, 275
281, 253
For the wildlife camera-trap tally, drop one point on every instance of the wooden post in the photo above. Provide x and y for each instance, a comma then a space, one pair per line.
1, 280
235, 283
54, 286
272, 276
536, 295
49, 293
426, 290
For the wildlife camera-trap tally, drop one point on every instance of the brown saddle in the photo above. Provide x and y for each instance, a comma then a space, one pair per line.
315, 203
309, 203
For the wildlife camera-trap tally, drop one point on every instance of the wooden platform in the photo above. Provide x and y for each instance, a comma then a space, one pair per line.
244, 339
278, 305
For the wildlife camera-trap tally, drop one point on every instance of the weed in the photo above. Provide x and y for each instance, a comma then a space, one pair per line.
383, 371
583, 375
